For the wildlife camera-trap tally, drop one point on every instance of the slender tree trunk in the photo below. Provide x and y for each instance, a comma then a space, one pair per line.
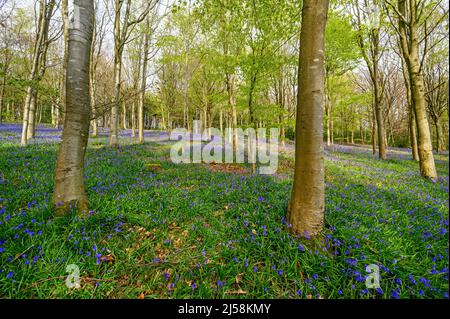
306, 206
41, 39
69, 189
374, 130
231, 89
328, 109
438, 135
380, 125
32, 116
411, 116
143, 84
221, 121
2, 94
124, 115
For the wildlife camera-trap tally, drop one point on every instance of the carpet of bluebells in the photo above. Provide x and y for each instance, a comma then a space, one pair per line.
186, 231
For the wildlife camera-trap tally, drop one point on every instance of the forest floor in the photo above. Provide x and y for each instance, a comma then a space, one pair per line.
211, 231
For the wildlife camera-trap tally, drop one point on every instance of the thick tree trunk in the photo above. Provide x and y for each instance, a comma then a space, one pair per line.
425, 148
65, 20
409, 41
26, 113
143, 84
306, 206
69, 178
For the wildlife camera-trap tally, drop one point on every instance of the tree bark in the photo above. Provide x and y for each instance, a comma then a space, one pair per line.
409, 41
306, 206
69, 177
143, 84
37, 69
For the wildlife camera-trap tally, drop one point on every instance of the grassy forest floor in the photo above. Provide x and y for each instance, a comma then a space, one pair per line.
215, 231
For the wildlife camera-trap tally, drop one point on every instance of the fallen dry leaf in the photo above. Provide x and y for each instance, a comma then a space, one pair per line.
236, 292
239, 278
108, 258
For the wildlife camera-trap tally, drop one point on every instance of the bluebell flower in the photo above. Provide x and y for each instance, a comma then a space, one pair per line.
395, 294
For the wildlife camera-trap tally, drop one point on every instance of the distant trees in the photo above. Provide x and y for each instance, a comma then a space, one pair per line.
233, 63
124, 22
69, 189
368, 20
307, 203
38, 67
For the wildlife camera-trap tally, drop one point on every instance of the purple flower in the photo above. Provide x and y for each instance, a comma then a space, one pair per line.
351, 261
394, 294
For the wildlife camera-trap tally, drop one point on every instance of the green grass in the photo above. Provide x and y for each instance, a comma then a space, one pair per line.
163, 231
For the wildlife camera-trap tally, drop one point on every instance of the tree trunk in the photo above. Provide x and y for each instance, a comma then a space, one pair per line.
409, 41
143, 84
380, 125
374, 129
39, 49
65, 20
231, 89
328, 110
124, 115
69, 178
306, 206
438, 136
32, 116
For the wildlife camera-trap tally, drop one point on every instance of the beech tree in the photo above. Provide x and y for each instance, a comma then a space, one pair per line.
412, 15
306, 206
42, 41
69, 177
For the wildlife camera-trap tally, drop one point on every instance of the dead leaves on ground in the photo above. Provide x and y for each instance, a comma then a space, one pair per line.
227, 168
238, 290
